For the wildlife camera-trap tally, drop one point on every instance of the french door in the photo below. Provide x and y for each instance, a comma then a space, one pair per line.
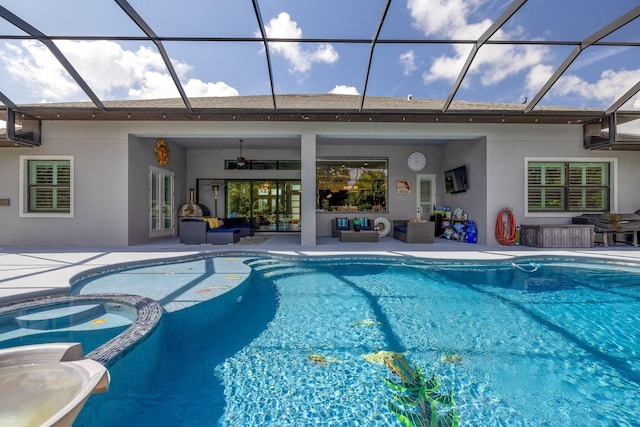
426, 195
161, 221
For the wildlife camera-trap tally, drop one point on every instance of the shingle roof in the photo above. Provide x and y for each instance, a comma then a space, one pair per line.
322, 107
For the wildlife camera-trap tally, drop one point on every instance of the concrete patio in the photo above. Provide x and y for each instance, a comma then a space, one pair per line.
31, 272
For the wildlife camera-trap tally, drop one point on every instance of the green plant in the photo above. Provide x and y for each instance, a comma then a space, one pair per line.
416, 402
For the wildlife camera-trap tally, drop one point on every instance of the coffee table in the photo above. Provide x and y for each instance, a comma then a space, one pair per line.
359, 236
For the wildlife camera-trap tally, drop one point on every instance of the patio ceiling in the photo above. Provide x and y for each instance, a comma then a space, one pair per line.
326, 60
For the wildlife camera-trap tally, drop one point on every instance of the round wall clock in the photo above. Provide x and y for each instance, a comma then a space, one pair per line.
162, 152
416, 161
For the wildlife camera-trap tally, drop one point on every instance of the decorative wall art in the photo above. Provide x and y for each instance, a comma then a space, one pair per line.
403, 187
162, 152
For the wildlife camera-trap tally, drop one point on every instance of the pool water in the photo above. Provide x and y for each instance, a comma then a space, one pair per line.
89, 323
548, 342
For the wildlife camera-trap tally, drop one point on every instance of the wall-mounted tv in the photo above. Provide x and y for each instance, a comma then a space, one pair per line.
23, 128
455, 180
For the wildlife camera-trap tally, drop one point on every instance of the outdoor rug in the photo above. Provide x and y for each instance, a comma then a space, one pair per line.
257, 239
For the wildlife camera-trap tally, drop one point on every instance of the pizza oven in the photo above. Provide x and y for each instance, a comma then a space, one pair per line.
193, 210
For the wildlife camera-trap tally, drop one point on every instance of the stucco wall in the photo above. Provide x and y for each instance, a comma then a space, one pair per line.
506, 153
141, 158
112, 165
473, 155
100, 205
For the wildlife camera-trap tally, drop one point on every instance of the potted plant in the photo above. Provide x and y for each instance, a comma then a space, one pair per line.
356, 224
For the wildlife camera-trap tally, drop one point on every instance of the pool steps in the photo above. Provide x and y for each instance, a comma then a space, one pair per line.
277, 268
59, 318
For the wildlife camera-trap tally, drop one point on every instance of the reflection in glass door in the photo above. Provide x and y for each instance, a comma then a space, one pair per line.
289, 206
265, 205
273, 205
161, 221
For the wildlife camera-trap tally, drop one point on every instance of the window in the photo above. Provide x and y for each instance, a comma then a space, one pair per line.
354, 185
47, 185
568, 186
288, 165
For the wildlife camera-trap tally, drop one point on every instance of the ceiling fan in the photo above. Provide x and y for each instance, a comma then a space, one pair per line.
241, 161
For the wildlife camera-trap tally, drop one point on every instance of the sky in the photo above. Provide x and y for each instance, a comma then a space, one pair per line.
509, 73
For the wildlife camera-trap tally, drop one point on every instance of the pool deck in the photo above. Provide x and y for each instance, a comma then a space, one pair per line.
32, 272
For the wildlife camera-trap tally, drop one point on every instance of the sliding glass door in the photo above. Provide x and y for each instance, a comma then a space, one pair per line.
273, 205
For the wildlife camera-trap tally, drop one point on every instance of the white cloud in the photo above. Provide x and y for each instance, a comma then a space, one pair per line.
495, 63
610, 86
538, 75
195, 87
492, 64
153, 84
344, 90
437, 16
107, 68
447, 67
32, 64
451, 19
300, 59
408, 61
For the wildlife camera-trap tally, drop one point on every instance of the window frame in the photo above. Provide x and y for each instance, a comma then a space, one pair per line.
353, 169
613, 184
24, 187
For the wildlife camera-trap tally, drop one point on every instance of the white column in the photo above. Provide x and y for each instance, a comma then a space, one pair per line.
308, 182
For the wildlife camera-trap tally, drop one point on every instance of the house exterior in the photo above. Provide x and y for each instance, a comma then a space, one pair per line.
114, 164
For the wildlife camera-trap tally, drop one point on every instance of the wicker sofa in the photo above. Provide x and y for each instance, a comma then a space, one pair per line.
414, 231
197, 232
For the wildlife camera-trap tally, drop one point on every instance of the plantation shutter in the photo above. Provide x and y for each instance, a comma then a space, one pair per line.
49, 186
566, 187
589, 186
546, 186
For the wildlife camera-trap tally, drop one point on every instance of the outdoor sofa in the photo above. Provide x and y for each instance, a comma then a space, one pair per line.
414, 231
197, 232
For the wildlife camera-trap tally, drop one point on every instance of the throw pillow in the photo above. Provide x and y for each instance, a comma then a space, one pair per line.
342, 223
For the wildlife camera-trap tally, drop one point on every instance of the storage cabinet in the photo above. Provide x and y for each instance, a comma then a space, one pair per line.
557, 236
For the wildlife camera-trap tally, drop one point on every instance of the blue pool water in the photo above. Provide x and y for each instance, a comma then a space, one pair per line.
544, 342
91, 323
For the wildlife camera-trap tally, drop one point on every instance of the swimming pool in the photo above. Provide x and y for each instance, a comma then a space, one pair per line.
543, 341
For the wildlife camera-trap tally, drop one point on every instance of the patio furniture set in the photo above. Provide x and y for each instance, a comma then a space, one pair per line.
366, 230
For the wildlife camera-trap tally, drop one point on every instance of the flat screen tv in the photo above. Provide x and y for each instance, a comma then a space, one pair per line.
455, 180
23, 128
